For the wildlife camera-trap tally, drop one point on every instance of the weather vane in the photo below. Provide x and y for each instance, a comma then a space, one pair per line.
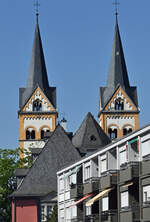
116, 3
37, 5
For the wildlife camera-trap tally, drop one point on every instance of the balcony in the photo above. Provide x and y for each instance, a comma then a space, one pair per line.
145, 211
91, 185
146, 166
130, 215
109, 216
92, 218
129, 172
76, 190
109, 179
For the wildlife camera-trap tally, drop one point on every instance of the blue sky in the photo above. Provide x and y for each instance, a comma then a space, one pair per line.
77, 39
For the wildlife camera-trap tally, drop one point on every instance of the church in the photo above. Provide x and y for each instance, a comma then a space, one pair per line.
68, 167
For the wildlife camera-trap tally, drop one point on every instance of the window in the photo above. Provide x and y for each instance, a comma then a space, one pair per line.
123, 157
146, 194
61, 215
119, 105
73, 211
126, 131
68, 213
112, 133
93, 138
105, 204
124, 199
30, 134
49, 211
87, 172
46, 211
145, 148
88, 211
37, 105
43, 216
44, 131
61, 184
103, 165
67, 182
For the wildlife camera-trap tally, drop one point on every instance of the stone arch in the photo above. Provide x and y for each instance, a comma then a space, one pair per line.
43, 130
127, 128
30, 133
113, 131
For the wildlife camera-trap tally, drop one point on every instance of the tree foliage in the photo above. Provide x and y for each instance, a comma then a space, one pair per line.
9, 162
54, 215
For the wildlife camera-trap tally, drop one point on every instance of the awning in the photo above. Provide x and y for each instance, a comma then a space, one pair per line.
133, 140
74, 170
101, 194
82, 199
128, 184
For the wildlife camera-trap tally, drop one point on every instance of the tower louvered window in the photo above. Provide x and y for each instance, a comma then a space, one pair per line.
37, 105
119, 105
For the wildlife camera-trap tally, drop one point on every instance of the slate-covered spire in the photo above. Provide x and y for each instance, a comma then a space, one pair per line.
117, 71
37, 72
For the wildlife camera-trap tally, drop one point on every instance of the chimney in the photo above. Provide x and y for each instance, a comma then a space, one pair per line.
63, 123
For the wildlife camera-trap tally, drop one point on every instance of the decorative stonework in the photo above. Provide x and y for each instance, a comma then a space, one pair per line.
38, 94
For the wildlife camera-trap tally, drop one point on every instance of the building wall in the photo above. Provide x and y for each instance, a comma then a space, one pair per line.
123, 165
26, 211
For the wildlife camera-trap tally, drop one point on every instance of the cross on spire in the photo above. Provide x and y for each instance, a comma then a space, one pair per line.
37, 5
116, 4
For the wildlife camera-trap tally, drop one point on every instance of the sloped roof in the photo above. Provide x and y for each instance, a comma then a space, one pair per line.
107, 92
37, 73
90, 135
118, 71
41, 178
118, 75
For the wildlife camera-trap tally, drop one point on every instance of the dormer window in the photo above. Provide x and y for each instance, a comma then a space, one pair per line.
119, 104
37, 105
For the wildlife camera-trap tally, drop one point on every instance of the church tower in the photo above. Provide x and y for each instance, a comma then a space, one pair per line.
37, 102
118, 107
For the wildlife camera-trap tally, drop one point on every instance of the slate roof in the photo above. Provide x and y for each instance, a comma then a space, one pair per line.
19, 172
37, 73
118, 75
90, 136
41, 178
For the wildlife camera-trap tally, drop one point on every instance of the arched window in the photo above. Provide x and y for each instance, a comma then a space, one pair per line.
119, 105
126, 131
37, 105
30, 134
44, 131
42, 134
112, 133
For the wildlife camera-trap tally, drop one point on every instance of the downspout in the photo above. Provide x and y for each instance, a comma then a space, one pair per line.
14, 210
38, 211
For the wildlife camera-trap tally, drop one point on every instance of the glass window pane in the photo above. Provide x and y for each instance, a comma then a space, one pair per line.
124, 199
105, 204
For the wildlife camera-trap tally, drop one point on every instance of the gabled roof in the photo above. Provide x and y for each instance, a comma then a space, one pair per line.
117, 71
107, 92
90, 135
41, 178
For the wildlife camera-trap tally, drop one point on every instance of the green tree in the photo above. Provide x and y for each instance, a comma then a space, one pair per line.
9, 161
54, 215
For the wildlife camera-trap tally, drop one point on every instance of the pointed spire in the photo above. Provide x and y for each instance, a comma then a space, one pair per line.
117, 71
37, 71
